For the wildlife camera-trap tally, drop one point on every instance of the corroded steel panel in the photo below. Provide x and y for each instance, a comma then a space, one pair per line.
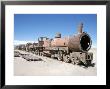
58, 42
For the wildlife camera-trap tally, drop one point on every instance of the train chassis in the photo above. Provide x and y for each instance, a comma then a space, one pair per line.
63, 54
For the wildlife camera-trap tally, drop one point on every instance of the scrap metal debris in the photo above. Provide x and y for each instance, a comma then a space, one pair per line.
27, 56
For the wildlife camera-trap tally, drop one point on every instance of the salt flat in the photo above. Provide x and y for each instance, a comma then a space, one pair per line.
52, 67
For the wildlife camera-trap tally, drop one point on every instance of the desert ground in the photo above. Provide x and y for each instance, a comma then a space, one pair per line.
52, 67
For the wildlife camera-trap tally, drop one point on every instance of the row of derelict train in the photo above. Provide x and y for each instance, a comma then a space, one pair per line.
72, 49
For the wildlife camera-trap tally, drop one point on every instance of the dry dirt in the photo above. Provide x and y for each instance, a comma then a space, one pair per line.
52, 67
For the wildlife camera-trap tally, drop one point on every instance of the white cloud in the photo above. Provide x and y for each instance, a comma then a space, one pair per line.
18, 42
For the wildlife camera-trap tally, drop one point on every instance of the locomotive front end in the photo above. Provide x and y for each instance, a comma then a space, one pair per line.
79, 45
80, 42
85, 42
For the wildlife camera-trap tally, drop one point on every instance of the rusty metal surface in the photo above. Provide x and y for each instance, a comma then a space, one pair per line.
58, 42
75, 42
72, 49
81, 42
80, 28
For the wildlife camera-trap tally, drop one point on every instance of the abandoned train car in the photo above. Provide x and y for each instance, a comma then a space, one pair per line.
72, 49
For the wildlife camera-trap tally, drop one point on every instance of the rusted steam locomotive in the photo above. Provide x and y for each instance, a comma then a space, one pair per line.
72, 49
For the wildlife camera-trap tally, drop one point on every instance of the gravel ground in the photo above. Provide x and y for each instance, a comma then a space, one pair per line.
51, 67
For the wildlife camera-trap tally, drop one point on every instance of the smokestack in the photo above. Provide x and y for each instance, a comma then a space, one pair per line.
80, 28
58, 35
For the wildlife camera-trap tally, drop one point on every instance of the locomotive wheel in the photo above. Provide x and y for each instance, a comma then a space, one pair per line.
60, 57
66, 59
72, 60
87, 63
75, 60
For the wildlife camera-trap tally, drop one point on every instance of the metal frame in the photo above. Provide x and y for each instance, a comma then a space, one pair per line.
4, 3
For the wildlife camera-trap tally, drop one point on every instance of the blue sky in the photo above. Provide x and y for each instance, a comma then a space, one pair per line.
28, 27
